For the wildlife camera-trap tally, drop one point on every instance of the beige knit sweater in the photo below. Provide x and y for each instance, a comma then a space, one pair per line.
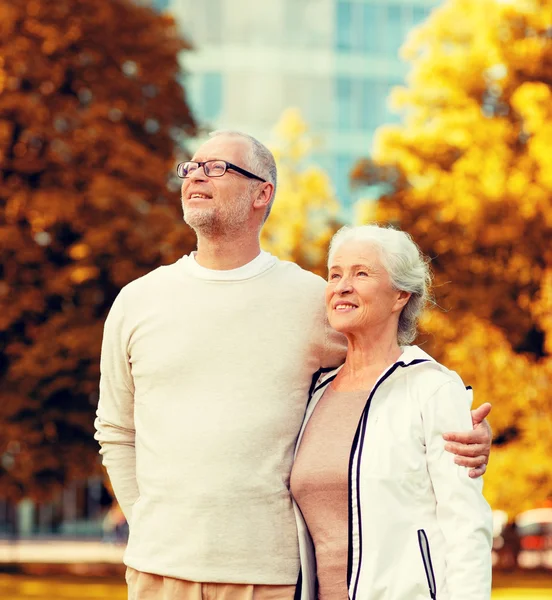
204, 382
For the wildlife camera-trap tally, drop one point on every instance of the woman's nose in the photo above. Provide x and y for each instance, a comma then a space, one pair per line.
344, 286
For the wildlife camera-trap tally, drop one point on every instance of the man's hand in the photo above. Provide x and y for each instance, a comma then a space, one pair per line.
472, 447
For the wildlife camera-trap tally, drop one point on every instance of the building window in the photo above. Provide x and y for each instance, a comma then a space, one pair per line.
161, 5
204, 94
375, 28
399, 19
342, 177
395, 30
361, 103
420, 14
344, 24
345, 103
358, 26
212, 96
372, 28
389, 116
370, 102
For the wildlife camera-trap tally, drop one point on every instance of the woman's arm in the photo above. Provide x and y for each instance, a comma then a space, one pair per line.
463, 514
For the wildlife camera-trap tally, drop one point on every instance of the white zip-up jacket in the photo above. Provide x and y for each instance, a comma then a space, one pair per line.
419, 526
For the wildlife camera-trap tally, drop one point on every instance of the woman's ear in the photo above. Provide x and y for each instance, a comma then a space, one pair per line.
402, 300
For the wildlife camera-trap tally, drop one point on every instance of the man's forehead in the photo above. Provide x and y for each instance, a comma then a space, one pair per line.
225, 147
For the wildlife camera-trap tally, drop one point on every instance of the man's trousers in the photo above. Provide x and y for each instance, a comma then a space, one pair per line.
145, 586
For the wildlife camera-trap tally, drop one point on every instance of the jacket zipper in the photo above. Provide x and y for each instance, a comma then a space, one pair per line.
426, 559
358, 441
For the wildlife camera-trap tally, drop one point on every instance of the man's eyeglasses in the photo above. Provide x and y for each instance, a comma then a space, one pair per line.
212, 168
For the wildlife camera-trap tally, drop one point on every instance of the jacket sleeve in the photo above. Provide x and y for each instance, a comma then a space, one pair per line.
463, 514
115, 415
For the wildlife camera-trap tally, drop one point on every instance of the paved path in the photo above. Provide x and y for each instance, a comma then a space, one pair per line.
60, 551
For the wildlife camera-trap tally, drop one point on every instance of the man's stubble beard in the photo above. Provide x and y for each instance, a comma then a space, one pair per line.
225, 220
202, 220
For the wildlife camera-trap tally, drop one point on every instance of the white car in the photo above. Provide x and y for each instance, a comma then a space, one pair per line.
534, 528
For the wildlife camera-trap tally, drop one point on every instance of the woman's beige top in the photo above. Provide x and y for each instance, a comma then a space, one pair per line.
319, 484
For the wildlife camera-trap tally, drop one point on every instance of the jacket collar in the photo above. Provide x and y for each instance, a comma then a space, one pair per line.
411, 355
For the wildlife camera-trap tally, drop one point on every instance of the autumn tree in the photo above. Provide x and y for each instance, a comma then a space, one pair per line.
305, 211
468, 173
91, 115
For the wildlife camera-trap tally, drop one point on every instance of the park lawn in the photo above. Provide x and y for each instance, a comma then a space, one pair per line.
46, 588
521, 594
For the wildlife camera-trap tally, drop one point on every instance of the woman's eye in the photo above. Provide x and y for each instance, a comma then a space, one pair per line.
334, 276
362, 273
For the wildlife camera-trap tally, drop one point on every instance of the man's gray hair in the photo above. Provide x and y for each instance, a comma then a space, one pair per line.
260, 161
407, 267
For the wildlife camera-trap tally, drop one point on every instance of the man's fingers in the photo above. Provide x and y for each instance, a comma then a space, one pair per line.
480, 413
472, 448
478, 471
476, 436
474, 463
468, 450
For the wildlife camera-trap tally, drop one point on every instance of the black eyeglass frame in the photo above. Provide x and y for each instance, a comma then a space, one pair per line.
226, 164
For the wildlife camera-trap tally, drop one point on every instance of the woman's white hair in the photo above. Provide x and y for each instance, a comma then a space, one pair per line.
407, 267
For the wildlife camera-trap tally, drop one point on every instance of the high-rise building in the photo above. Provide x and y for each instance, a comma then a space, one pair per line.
335, 60
158, 4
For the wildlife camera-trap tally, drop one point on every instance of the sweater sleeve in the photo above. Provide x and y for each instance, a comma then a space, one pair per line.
115, 415
463, 514
335, 346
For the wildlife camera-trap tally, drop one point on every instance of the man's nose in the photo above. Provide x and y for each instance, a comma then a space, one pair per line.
198, 174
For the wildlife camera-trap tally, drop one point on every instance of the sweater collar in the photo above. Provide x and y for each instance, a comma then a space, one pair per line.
411, 355
258, 265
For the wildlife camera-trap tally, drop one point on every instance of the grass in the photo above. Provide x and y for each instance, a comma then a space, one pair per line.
18, 587
521, 594
15, 587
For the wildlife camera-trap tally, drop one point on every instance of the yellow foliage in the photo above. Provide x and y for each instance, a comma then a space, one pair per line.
90, 102
474, 188
82, 274
304, 213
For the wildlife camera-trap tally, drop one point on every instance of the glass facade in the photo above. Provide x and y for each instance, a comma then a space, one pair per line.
160, 4
372, 30
335, 60
211, 96
375, 27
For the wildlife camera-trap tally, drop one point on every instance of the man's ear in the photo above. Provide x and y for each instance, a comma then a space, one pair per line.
263, 195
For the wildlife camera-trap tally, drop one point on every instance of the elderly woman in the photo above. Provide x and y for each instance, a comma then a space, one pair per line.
383, 512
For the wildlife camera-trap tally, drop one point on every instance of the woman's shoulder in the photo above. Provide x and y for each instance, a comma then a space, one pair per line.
430, 375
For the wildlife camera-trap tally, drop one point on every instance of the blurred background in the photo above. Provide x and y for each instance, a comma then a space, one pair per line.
435, 116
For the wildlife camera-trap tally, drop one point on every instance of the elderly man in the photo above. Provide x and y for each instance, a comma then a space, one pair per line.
206, 367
